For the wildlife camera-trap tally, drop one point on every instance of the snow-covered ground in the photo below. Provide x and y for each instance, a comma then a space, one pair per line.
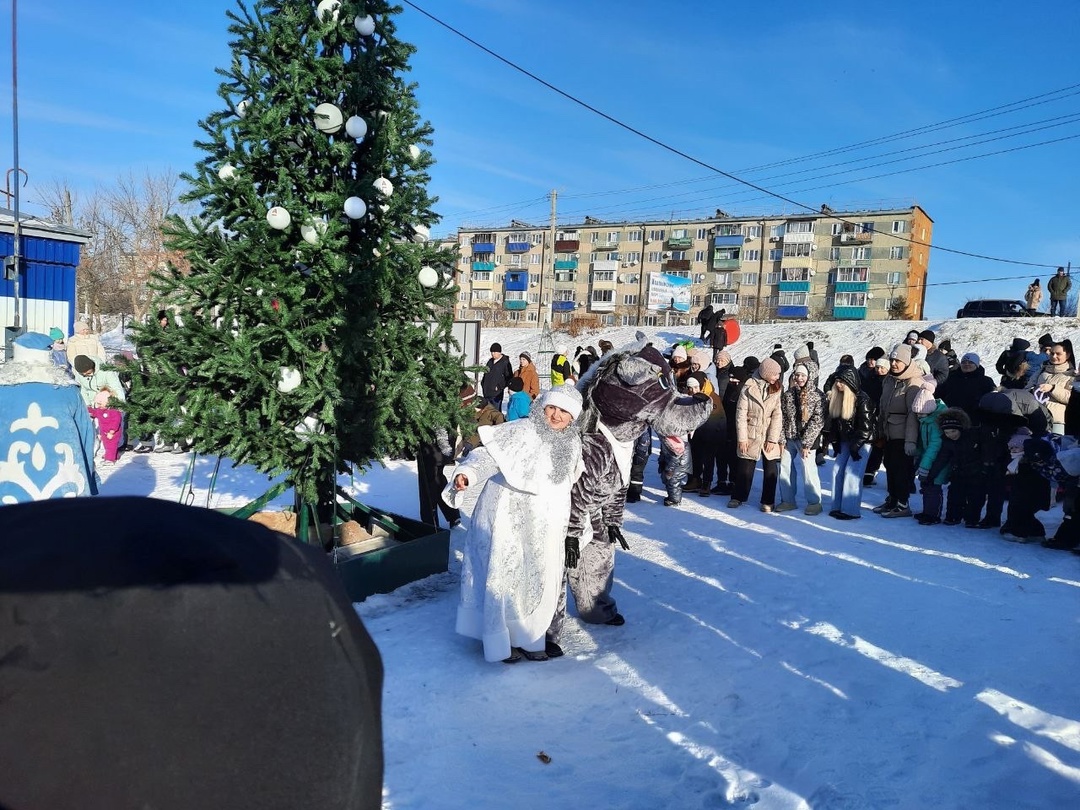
770, 660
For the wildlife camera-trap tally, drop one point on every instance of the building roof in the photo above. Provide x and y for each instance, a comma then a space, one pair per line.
42, 228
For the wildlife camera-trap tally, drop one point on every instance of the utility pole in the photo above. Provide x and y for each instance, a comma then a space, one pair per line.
641, 277
545, 267
17, 227
760, 273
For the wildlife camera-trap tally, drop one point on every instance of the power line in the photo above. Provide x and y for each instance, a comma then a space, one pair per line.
674, 150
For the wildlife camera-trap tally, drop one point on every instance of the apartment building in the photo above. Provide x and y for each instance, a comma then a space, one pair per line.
828, 265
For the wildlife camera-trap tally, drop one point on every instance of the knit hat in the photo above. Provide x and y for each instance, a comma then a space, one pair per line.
801, 369
561, 349
769, 368
467, 394
516, 384
751, 363
875, 353
901, 352
945, 345
678, 352
950, 421
32, 347
692, 382
722, 359
971, 357
924, 403
605, 346
81, 326
882, 362
913, 335
56, 333
526, 355
564, 396
496, 347
777, 346
927, 335
702, 357
1019, 345
1046, 340
83, 364
803, 352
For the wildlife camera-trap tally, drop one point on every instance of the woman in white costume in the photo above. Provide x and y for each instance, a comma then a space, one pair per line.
514, 551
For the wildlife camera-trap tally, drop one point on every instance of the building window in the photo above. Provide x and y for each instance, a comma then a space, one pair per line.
614, 236
792, 299
867, 227
656, 235
702, 233
860, 253
896, 252
603, 275
776, 254
850, 299
655, 256
534, 278
613, 257
633, 236
534, 258
851, 274
748, 278
515, 260
753, 231
679, 273
648, 320
837, 228
530, 316
514, 295
797, 249
534, 298
699, 255
481, 278
834, 254
629, 300
633, 256
776, 231
752, 255
722, 279
773, 277
899, 226
481, 295
564, 295
894, 279
796, 274
678, 255
608, 320
680, 233
603, 296
800, 226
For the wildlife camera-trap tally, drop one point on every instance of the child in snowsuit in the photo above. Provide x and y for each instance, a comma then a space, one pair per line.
947, 424
674, 467
110, 423
708, 441
520, 401
964, 476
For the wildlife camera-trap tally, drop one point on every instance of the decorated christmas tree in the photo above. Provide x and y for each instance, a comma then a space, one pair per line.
310, 333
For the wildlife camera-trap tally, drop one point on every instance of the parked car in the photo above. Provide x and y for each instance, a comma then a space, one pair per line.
995, 308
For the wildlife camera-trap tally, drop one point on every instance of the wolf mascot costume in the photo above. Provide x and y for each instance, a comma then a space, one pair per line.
627, 391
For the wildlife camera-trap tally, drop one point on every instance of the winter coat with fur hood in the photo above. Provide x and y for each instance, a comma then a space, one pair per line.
859, 429
803, 411
757, 418
1061, 380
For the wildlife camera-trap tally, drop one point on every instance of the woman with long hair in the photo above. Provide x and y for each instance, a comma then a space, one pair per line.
851, 427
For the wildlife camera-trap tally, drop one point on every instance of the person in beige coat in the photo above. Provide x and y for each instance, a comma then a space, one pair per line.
898, 424
759, 427
1054, 385
84, 342
1033, 296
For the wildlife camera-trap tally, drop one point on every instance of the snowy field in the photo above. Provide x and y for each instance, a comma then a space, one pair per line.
775, 661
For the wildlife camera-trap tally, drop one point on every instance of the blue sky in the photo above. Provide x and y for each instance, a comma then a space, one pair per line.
111, 88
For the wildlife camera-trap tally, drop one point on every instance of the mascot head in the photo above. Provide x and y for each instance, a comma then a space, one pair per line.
633, 388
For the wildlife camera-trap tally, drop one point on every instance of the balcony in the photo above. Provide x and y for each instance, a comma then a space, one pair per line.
677, 264
793, 286
850, 313
793, 312
800, 238
605, 246
851, 286
567, 245
563, 306
516, 281
566, 264
518, 247
729, 240
483, 247
601, 306
565, 279
515, 305
858, 238
481, 281
680, 243
483, 267
725, 264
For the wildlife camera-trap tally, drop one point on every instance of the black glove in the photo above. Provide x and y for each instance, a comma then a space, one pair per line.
854, 452
573, 552
614, 534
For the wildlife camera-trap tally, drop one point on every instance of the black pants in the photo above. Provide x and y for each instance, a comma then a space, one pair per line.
707, 449
431, 481
642, 451
931, 499
742, 479
988, 487
899, 470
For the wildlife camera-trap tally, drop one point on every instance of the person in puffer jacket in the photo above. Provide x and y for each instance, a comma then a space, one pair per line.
851, 428
758, 431
802, 408
899, 426
932, 448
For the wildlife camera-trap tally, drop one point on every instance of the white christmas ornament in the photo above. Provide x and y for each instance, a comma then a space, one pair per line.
309, 426
289, 379
356, 127
241, 108
428, 276
328, 118
365, 25
421, 233
414, 152
278, 218
227, 172
311, 231
329, 8
384, 186
384, 208
355, 208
